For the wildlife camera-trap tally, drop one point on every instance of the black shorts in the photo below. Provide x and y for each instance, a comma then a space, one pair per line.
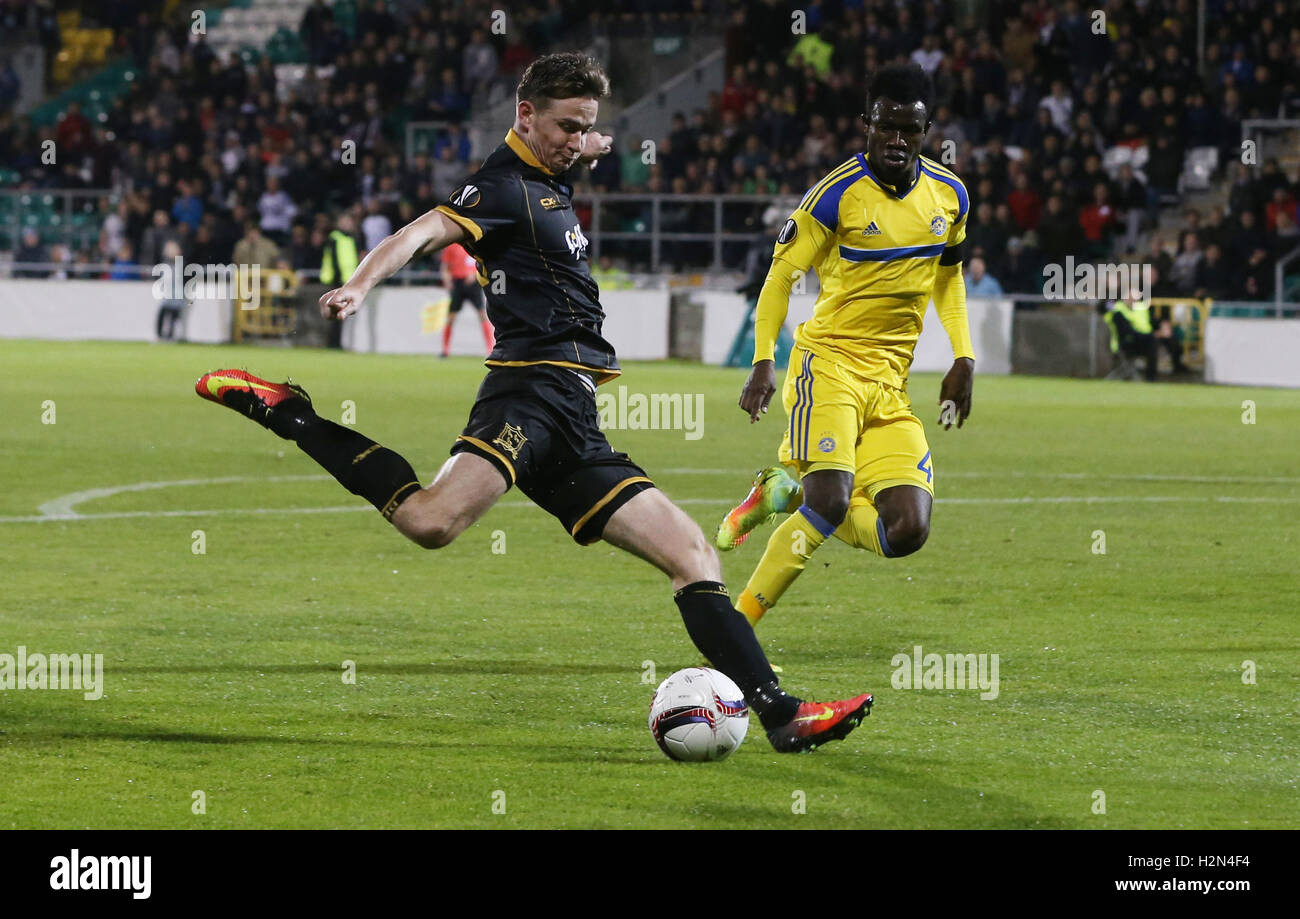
538, 426
466, 291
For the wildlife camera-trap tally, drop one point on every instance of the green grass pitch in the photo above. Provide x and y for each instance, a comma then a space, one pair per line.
516, 681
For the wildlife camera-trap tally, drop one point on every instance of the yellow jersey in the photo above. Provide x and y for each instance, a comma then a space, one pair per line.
877, 252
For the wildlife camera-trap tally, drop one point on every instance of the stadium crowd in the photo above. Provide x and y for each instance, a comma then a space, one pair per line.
207, 153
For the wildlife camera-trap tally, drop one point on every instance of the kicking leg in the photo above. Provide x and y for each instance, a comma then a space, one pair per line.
463, 491
653, 528
466, 488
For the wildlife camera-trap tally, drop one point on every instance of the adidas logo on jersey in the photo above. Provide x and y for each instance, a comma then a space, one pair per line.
871, 230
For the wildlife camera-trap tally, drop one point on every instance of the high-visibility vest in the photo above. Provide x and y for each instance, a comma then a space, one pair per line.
1138, 316
344, 248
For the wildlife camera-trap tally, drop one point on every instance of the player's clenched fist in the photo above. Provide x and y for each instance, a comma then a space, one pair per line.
758, 390
340, 303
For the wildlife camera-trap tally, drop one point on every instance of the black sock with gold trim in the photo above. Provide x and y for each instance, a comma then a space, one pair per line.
726, 638
363, 467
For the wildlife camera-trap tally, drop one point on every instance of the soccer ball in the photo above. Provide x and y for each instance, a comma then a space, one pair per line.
698, 715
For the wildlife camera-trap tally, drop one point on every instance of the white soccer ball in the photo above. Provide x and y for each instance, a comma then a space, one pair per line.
698, 715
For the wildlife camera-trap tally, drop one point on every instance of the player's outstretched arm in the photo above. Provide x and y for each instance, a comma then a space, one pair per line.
950, 303
427, 233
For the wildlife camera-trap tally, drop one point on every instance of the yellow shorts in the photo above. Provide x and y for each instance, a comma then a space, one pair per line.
839, 420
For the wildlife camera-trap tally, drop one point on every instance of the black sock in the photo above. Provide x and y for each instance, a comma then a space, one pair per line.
376, 473
726, 638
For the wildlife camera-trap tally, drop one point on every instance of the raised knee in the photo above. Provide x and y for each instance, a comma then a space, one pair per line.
907, 536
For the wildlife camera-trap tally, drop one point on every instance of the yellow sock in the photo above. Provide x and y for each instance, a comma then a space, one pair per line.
862, 528
788, 550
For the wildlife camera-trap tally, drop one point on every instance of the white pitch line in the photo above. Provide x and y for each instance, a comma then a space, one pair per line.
742, 473
64, 507
1064, 499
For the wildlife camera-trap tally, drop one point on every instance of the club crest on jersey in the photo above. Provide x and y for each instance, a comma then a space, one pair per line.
466, 196
788, 232
827, 442
511, 439
576, 240
939, 225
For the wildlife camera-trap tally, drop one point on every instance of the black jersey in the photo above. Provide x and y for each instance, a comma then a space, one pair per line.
543, 302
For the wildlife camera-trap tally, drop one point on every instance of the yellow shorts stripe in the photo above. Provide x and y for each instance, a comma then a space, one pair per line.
801, 409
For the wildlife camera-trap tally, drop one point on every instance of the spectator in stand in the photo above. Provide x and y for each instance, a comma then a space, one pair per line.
448, 102
158, 235
255, 249
1059, 233
1024, 203
203, 248
124, 266
979, 283
814, 50
32, 251
1098, 221
1130, 203
1021, 268
1060, 106
188, 209
1159, 258
1213, 278
312, 29
1283, 203
73, 136
1246, 238
277, 212
447, 173
376, 225
112, 232
929, 55
479, 63
1288, 232
303, 256
1183, 272
10, 86
1165, 164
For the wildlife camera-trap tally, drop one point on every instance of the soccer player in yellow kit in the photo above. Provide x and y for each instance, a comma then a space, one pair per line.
885, 233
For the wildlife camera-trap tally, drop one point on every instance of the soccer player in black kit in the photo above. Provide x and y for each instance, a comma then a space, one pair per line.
534, 422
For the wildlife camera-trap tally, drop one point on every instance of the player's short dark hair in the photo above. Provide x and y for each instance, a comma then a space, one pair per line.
905, 83
565, 75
